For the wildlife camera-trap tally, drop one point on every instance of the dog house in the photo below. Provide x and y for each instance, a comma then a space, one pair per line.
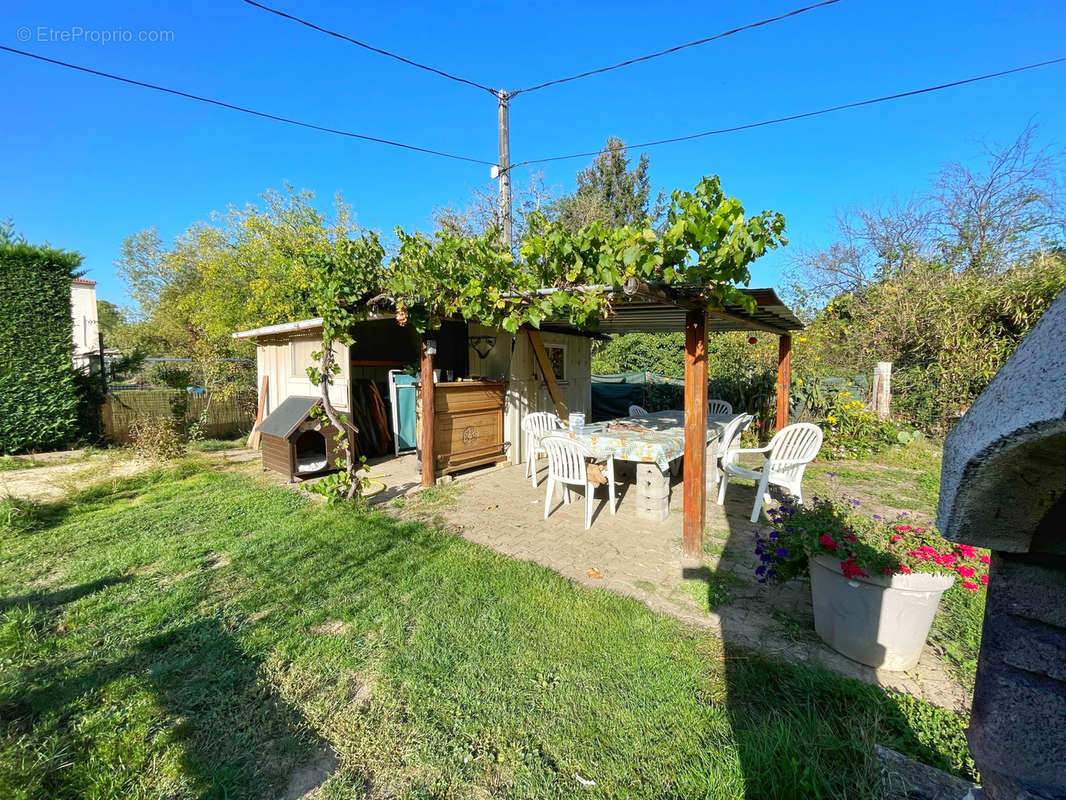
295, 443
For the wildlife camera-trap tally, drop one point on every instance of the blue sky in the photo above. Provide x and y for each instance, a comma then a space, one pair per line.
88, 161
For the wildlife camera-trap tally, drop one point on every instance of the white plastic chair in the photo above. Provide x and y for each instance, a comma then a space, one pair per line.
535, 425
719, 408
567, 465
789, 452
730, 435
638, 411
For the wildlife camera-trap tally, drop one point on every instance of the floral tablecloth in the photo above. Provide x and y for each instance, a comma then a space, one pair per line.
657, 438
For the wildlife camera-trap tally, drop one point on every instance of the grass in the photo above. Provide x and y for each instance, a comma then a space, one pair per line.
194, 633
217, 445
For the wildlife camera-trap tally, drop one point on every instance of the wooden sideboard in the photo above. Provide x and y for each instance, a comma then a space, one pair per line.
467, 425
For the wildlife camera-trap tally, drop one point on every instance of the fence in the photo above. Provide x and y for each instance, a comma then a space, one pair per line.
225, 417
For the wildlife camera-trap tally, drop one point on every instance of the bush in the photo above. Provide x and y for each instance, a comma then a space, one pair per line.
851, 430
169, 375
157, 438
38, 394
947, 333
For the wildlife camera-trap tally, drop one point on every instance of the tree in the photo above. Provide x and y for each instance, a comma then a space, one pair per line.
481, 215
608, 191
983, 220
987, 220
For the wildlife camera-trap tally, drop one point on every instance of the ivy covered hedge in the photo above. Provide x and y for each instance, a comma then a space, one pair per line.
38, 392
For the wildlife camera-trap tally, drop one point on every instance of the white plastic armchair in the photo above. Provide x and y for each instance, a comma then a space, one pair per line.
567, 466
638, 411
730, 436
788, 454
534, 426
719, 408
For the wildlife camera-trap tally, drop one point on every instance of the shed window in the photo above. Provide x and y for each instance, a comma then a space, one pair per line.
557, 358
301, 350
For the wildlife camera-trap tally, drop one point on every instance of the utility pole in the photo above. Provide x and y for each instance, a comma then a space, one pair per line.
504, 173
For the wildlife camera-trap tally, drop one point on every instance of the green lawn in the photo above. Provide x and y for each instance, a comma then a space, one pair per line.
194, 633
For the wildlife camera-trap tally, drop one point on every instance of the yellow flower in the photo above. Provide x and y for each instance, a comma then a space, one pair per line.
799, 381
803, 338
832, 420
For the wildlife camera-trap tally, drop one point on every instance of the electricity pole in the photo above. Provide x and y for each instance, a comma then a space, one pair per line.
504, 169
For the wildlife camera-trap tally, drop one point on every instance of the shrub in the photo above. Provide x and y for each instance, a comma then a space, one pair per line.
865, 545
156, 438
38, 395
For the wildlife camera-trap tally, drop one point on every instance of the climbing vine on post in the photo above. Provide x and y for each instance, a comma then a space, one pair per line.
345, 275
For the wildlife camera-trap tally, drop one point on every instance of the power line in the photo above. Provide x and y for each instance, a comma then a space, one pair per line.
345, 37
670, 50
804, 115
244, 110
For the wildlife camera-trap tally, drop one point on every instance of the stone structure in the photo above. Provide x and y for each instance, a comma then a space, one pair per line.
1004, 488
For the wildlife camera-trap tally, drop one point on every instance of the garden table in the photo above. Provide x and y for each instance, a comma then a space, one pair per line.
655, 442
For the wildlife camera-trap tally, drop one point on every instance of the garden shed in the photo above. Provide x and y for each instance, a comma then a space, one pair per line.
464, 353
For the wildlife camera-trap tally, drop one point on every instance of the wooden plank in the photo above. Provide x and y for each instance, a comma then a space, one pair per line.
784, 379
695, 487
429, 467
546, 370
253, 439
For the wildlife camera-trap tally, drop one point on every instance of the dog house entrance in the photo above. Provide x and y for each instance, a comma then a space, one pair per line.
311, 453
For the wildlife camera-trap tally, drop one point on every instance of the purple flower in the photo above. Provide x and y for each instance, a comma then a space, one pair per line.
760, 570
774, 534
782, 552
771, 573
789, 529
856, 503
877, 516
765, 558
832, 474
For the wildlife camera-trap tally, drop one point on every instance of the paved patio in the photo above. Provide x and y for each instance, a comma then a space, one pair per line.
499, 508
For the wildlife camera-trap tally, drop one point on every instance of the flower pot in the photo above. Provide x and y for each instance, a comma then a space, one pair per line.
881, 621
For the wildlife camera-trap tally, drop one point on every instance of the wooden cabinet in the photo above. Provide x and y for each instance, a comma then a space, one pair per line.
467, 425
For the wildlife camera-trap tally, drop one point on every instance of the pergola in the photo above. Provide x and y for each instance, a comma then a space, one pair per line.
656, 308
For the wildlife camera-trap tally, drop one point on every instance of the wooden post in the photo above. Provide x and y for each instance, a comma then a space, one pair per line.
784, 379
695, 486
253, 439
429, 465
504, 168
881, 395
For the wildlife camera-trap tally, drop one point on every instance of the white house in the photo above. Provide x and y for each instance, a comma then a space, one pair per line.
86, 328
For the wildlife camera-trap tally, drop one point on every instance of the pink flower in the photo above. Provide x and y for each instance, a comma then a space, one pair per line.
966, 572
851, 537
903, 527
967, 551
973, 587
986, 560
827, 542
984, 580
904, 569
895, 538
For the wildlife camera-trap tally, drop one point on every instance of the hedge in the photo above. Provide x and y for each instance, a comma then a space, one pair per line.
38, 392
